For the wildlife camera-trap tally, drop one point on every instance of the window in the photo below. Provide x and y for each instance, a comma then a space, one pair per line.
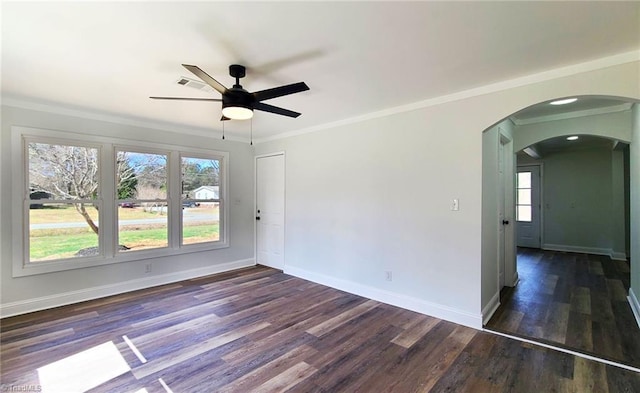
523, 198
200, 199
142, 205
92, 200
63, 201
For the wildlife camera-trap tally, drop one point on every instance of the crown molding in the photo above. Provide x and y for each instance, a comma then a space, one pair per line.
129, 121
572, 115
610, 61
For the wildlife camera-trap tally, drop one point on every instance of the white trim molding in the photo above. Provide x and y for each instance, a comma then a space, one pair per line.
516, 279
72, 297
572, 115
618, 256
490, 308
635, 305
440, 311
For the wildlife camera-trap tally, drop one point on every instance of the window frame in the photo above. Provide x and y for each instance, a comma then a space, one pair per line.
21, 136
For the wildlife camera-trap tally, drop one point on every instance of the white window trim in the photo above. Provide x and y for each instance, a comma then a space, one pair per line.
107, 147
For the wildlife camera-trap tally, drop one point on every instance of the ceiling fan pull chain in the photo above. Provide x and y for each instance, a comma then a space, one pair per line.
251, 131
223, 130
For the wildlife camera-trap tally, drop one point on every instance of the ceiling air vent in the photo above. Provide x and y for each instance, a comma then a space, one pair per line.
194, 84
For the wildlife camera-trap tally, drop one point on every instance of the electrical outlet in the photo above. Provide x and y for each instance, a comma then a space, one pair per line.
388, 275
147, 268
455, 204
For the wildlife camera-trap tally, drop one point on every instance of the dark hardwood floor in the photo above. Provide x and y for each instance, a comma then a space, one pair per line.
259, 330
577, 301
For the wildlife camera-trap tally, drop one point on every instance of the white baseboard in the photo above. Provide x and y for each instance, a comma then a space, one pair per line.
619, 256
635, 305
516, 279
62, 299
395, 299
490, 308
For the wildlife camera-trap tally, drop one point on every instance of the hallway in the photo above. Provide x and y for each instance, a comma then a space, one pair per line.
576, 301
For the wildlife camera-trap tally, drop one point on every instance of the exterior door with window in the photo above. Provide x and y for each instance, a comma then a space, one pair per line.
528, 206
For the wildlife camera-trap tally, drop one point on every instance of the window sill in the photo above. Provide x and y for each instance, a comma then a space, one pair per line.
35, 268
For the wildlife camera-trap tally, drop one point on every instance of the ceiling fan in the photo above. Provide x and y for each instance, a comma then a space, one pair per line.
237, 103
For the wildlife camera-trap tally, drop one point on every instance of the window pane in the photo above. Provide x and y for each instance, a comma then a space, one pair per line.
200, 178
142, 227
141, 175
201, 224
524, 197
524, 180
141, 184
523, 213
200, 196
62, 230
62, 171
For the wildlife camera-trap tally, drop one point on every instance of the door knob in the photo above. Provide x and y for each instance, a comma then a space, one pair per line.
505, 222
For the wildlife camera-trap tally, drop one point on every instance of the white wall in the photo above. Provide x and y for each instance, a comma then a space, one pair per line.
578, 201
46, 290
634, 292
619, 210
374, 195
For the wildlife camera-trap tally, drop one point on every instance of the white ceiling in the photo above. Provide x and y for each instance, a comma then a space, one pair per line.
357, 57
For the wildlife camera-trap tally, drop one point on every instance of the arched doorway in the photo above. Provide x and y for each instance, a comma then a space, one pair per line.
604, 125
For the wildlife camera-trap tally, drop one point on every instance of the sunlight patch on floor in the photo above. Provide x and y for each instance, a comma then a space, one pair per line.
83, 371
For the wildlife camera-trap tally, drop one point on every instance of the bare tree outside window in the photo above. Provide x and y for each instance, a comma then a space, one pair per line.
65, 173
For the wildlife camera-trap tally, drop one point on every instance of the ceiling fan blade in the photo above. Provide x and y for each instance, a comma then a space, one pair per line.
187, 99
268, 94
205, 77
274, 109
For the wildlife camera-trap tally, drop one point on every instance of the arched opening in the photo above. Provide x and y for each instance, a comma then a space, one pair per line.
560, 207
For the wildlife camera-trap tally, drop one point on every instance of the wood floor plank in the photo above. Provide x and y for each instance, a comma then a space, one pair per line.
581, 336
287, 379
415, 331
337, 321
617, 291
581, 300
590, 376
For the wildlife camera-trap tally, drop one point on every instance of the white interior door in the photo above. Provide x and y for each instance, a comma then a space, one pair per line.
501, 215
270, 211
528, 206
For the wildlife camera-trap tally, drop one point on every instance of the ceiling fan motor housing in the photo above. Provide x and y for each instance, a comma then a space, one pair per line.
237, 96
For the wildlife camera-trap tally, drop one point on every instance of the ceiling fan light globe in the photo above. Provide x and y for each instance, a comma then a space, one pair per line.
237, 112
